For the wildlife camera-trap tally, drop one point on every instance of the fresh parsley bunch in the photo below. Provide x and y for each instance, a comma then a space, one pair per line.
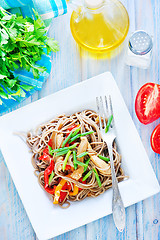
22, 44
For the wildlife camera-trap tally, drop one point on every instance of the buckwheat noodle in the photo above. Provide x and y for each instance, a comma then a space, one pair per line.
86, 120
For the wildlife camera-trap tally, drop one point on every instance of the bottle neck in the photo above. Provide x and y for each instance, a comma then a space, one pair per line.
93, 4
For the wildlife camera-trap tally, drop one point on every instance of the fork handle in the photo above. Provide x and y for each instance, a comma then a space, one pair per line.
117, 203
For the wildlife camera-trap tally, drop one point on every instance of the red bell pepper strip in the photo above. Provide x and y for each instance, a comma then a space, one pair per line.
70, 129
67, 186
47, 172
80, 180
50, 143
45, 157
51, 190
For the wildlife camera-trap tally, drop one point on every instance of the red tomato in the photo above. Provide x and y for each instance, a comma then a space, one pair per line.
147, 103
155, 139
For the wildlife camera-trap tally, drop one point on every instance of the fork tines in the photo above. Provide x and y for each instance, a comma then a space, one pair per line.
104, 112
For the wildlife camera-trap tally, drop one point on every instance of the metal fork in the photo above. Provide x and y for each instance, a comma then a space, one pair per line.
109, 137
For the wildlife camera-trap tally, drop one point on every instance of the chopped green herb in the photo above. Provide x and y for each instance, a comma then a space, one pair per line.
51, 177
86, 162
80, 163
82, 154
50, 150
74, 160
87, 175
75, 132
108, 123
65, 160
67, 139
74, 138
23, 41
62, 153
86, 133
64, 148
104, 158
80, 135
97, 177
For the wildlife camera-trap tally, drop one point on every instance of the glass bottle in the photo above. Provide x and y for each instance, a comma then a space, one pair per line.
99, 26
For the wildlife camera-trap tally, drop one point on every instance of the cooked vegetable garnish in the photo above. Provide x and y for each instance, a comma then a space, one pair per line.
50, 150
87, 175
80, 135
86, 133
67, 139
108, 123
62, 153
58, 190
75, 132
97, 177
87, 162
80, 163
65, 160
51, 177
80, 171
75, 191
74, 160
104, 158
82, 154
64, 148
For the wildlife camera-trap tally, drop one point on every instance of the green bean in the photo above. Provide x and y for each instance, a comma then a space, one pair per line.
87, 175
65, 160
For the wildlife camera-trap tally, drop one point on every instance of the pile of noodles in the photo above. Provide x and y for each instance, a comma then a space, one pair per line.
87, 120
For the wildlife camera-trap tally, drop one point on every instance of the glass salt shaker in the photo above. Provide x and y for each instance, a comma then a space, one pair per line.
139, 51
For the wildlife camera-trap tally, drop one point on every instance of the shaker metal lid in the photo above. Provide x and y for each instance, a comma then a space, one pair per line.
140, 43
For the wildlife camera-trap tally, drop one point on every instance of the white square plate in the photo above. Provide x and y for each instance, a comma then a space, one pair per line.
52, 220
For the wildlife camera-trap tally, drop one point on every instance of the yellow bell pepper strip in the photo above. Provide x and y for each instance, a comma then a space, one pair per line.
59, 196
58, 190
75, 191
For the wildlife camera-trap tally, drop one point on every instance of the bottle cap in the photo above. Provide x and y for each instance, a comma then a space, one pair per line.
140, 43
94, 3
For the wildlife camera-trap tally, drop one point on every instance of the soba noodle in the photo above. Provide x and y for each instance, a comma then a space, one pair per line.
87, 121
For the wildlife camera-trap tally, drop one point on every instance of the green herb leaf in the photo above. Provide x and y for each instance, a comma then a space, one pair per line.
97, 177
65, 160
87, 175
51, 177
86, 162
108, 123
82, 154
104, 158
23, 41
74, 160
67, 139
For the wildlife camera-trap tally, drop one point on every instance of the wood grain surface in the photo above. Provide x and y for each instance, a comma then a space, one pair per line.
68, 68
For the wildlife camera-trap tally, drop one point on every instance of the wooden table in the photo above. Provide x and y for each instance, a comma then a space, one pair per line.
143, 218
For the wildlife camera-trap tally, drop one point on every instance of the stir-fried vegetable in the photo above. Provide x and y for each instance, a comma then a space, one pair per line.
80, 135
87, 175
82, 154
75, 191
108, 123
104, 158
97, 177
58, 190
51, 177
78, 155
87, 162
67, 139
65, 160
74, 160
